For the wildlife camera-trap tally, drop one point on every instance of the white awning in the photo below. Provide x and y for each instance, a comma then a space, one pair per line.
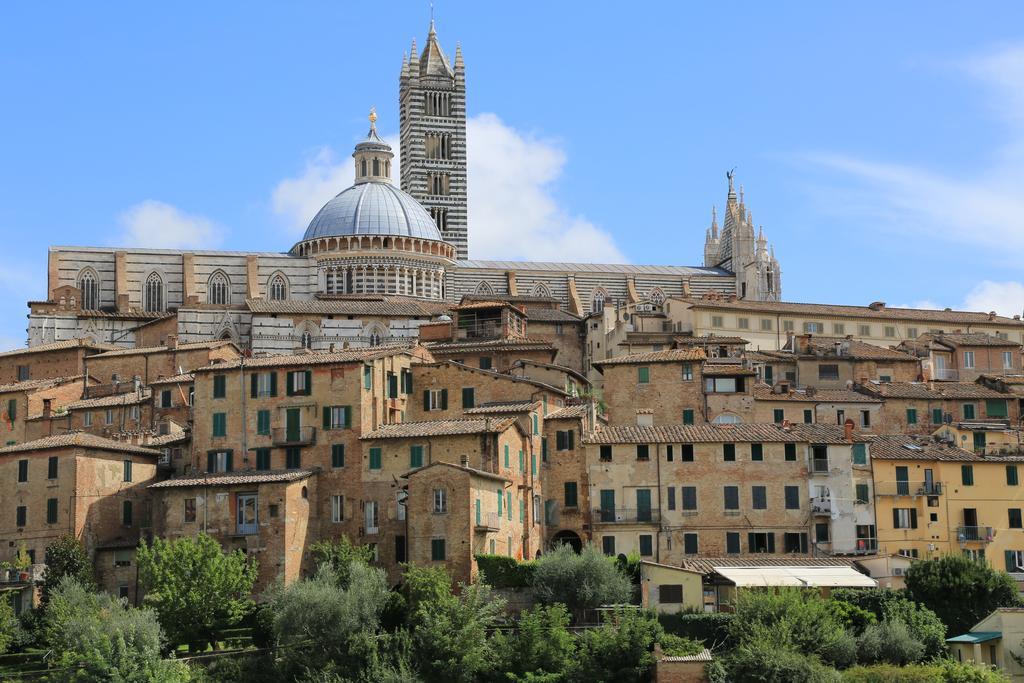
845, 577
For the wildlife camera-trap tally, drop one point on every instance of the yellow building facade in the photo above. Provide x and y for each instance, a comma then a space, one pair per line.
933, 499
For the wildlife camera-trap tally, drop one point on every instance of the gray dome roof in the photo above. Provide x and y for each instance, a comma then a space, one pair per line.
373, 208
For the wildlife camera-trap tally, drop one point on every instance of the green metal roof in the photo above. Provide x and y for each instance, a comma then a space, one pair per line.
976, 637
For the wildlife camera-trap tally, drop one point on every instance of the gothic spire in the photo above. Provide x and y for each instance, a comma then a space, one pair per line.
714, 221
433, 61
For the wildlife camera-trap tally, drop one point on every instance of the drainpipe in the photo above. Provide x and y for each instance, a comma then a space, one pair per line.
245, 436
657, 537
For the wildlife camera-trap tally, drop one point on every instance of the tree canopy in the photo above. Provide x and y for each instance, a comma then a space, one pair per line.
961, 591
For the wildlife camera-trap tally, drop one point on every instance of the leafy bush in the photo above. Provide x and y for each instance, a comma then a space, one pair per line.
889, 673
924, 624
674, 646
710, 628
762, 661
852, 617
889, 641
960, 590
581, 581
967, 672
540, 648
620, 650
502, 571
340, 555
66, 556
793, 619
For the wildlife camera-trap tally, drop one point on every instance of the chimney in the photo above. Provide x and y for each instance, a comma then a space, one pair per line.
877, 305
172, 341
47, 403
330, 349
848, 429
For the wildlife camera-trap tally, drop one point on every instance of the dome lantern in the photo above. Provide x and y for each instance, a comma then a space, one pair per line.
373, 156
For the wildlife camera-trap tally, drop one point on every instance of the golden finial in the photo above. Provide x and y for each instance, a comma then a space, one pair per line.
373, 117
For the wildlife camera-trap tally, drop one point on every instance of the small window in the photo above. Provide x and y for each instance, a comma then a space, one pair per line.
670, 594
890, 331
415, 456
1015, 518
968, 359
732, 497
220, 422
220, 383
766, 324
190, 511
689, 497
790, 452
787, 326
1011, 475
468, 397
743, 323
860, 456
778, 415
687, 372
686, 452
863, 494
732, 542
485, 362
337, 455
51, 510
716, 321
123, 558
643, 451
828, 371
967, 475
437, 550
792, 497
911, 416
688, 416
969, 411
293, 458
127, 470
838, 329
643, 375
263, 458
570, 497
729, 452
22, 471
759, 497
756, 452
646, 545
376, 459
51, 468
337, 508
126, 513
864, 330
690, 543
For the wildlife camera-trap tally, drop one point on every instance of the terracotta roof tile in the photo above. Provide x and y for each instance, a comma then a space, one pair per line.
764, 392
715, 433
551, 315
310, 358
708, 340
966, 339
427, 428
468, 470
129, 398
382, 306
453, 347
498, 407
145, 350
243, 477
666, 356
842, 348
706, 565
59, 346
34, 384
934, 391
907, 447
837, 310
569, 412
725, 370
78, 440
184, 378
1006, 379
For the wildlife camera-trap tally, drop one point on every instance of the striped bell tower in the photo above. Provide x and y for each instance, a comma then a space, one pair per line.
432, 123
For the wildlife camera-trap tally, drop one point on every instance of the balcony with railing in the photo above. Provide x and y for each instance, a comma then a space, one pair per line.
821, 505
626, 516
31, 574
945, 374
975, 534
908, 488
295, 436
819, 466
489, 522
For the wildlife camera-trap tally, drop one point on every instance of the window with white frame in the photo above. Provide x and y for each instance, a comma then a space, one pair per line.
337, 509
299, 383
87, 419
440, 500
371, 516
968, 359
278, 288
218, 289
108, 416
264, 383
1007, 360
338, 416
153, 294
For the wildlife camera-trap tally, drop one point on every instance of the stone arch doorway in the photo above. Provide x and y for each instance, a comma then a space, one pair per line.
570, 538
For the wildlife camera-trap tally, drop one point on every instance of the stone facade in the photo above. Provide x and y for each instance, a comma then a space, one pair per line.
664, 387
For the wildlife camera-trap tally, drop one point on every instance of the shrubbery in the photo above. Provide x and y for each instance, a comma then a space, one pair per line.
502, 571
889, 641
580, 581
710, 628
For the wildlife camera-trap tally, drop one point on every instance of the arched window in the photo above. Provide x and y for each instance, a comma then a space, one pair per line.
597, 305
362, 165
376, 166
89, 284
376, 334
306, 340
153, 294
218, 290
541, 289
278, 288
657, 296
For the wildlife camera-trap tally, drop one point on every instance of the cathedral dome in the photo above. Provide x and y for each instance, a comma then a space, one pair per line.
373, 206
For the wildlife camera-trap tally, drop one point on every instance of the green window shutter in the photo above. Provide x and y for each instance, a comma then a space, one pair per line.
560, 440
860, 456
968, 411
522, 511
367, 377
309, 383
230, 460
468, 397
426, 399
937, 416
688, 416
211, 461
967, 475
12, 409
273, 384
254, 381
1011, 475
571, 494
220, 424
219, 386
506, 456
778, 415
536, 424
477, 507
338, 455
643, 375
862, 493
289, 383
808, 416
501, 503
911, 416
508, 504
327, 417
522, 462
570, 435
263, 458
375, 459
544, 448
533, 464
51, 511
995, 407
444, 399
756, 451
415, 456
790, 452
348, 417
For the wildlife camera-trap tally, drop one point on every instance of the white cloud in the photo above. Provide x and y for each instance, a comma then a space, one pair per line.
155, 224
1005, 298
512, 213
982, 209
298, 199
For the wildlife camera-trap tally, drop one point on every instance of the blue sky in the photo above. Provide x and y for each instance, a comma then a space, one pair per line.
881, 145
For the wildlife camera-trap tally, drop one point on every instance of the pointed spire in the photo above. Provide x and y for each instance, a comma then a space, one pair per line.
714, 221
459, 64
741, 194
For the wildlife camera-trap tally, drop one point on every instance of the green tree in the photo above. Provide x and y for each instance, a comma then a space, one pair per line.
324, 625
66, 556
195, 587
620, 650
580, 581
889, 641
793, 619
9, 625
96, 637
340, 556
450, 632
885, 604
540, 648
960, 590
